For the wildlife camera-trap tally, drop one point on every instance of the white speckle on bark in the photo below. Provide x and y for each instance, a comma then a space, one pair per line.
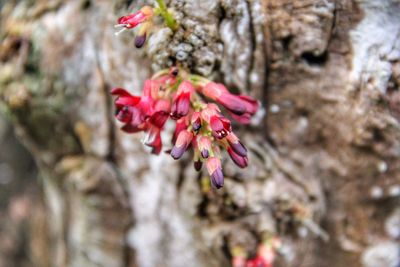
382, 166
394, 191
274, 108
376, 192
383, 254
376, 42
392, 225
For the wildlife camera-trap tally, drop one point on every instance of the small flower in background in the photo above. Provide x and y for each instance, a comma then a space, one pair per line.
144, 15
266, 253
178, 95
144, 20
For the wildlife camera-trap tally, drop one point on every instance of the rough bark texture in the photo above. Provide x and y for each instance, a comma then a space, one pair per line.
324, 170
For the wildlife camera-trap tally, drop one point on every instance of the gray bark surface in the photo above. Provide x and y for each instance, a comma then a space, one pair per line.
324, 170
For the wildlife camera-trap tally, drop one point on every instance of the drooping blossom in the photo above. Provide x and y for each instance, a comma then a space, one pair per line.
177, 95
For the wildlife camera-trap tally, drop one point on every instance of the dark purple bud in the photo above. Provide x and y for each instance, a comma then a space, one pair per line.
181, 106
197, 165
239, 148
204, 153
196, 126
181, 144
140, 40
217, 178
174, 71
237, 159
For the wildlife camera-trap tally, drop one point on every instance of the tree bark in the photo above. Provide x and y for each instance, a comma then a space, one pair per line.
324, 172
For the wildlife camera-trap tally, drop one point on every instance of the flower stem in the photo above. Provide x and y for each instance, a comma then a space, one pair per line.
169, 19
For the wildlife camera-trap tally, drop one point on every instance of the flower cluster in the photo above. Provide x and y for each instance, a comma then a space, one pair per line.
265, 256
143, 19
179, 95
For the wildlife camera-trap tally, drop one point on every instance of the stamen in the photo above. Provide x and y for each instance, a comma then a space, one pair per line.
120, 31
149, 138
120, 25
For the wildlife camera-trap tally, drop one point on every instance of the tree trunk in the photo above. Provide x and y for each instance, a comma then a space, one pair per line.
324, 171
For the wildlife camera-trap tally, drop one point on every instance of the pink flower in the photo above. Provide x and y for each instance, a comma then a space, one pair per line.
142, 114
143, 17
214, 169
181, 125
131, 110
132, 20
181, 105
220, 126
214, 90
258, 262
238, 261
241, 107
175, 94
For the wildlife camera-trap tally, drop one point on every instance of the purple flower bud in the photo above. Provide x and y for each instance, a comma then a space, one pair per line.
177, 152
181, 106
239, 149
213, 165
237, 159
204, 153
236, 145
217, 178
140, 40
197, 165
181, 144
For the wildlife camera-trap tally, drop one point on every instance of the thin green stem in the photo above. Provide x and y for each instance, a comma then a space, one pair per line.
169, 19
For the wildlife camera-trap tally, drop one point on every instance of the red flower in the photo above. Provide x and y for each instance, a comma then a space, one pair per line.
153, 140
131, 110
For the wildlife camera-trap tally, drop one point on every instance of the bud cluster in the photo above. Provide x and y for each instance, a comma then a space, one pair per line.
178, 95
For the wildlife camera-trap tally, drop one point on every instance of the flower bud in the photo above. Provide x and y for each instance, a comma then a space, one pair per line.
182, 142
236, 145
214, 169
237, 159
204, 144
